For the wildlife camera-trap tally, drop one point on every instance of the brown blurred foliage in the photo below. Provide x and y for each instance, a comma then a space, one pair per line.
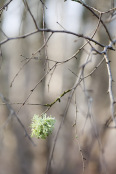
42, 61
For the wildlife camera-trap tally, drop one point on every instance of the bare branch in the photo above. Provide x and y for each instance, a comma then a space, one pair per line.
5, 5
92, 11
110, 87
12, 112
52, 31
29, 59
27, 6
32, 90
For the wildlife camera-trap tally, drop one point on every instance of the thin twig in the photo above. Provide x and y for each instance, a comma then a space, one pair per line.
32, 90
78, 141
43, 4
112, 101
5, 5
12, 112
28, 60
19, 37
27, 6
53, 31
92, 11
62, 121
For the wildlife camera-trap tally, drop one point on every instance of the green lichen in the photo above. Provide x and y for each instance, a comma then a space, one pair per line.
42, 126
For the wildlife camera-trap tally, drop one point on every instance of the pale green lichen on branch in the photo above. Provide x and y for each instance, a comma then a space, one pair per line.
42, 126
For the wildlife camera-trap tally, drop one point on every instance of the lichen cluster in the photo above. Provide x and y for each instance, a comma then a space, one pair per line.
42, 126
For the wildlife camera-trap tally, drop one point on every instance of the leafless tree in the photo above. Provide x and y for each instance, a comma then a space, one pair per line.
58, 57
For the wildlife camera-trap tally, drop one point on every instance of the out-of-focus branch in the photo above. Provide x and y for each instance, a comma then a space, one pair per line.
71, 93
12, 112
43, 4
29, 59
27, 6
32, 90
5, 5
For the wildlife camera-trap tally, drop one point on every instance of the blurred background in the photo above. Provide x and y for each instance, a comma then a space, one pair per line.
36, 68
